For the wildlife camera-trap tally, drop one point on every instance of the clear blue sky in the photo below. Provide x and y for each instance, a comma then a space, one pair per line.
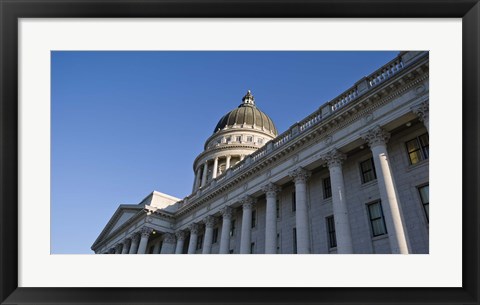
127, 123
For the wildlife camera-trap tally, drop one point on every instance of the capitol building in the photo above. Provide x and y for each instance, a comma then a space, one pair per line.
350, 178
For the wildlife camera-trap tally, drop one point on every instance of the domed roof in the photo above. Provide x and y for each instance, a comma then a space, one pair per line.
247, 115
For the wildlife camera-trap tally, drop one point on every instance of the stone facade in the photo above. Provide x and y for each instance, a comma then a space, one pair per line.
352, 177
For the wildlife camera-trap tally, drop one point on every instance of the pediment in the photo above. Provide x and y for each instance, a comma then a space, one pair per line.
121, 216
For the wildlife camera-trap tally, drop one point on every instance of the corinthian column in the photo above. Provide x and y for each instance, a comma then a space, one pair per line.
168, 245
300, 177
204, 175
208, 237
180, 242
226, 227
135, 240
377, 139
245, 239
126, 245
271, 191
197, 180
145, 234
215, 168
334, 161
227, 165
192, 245
422, 111
118, 248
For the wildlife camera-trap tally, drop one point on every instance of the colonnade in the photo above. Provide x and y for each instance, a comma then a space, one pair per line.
201, 174
376, 139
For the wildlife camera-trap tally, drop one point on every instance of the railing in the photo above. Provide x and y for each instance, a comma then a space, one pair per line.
261, 152
282, 139
372, 80
385, 72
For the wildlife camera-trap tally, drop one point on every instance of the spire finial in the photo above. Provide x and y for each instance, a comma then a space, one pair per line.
248, 98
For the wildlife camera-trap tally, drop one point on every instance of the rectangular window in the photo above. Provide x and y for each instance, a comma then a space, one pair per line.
249, 139
424, 198
327, 188
377, 221
239, 138
229, 139
260, 141
215, 235
418, 149
368, 170
294, 202
252, 248
254, 218
277, 206
199, 242
332, 238
232, 228
295, 240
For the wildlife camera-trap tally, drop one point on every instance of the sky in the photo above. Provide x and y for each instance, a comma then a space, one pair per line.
125, 123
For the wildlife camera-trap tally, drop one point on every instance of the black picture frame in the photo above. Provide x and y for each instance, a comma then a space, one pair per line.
12, 10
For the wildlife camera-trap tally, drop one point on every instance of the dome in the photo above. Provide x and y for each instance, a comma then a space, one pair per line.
247, 115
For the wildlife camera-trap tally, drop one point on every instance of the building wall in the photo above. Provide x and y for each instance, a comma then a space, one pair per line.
407, 178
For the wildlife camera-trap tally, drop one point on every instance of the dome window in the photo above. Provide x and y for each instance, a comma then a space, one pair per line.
239, 138
250, 139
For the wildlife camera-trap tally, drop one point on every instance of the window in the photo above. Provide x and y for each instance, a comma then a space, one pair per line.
424, 198
376, 219
232, 228
228, 139
252, 248
327, 188
294, 202
199, 242
254, 218
239, 138
368, 170
260, 141
417, 149
215, 235
249, 139
332, 238
294, 240
277, 206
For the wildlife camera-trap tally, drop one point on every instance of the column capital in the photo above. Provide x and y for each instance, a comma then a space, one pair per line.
421, 110
180, 235
146, 231
300, 175
247, 202
334, 158
209, 221
376, 136
194, 228
271, 189
227, 212
135, 237
169, 238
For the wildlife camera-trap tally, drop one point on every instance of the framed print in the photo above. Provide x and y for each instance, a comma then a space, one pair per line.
338, 188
